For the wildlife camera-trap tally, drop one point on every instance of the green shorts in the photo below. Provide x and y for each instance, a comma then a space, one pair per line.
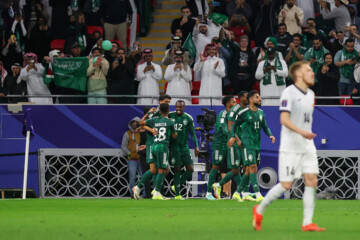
233, 158
161, 159
218, 155
179, 158
250, 157
149, 156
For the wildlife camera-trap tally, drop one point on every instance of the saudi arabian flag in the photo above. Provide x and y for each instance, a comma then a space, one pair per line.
70, 72
189, 45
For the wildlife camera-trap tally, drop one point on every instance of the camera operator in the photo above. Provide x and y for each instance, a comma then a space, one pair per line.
170, 53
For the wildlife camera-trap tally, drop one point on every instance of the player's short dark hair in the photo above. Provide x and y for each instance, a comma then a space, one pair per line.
164, 108
146, 109
164, 96
242, 93
251, 94
296, 66
282, 25
180, 101
349, 40
184, 7
317, 38
227, 99
297, 35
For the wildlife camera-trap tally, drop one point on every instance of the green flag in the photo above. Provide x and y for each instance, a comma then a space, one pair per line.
70, 72
218, 18
189, 45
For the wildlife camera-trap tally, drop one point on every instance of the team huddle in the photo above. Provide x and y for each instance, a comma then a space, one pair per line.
237, 142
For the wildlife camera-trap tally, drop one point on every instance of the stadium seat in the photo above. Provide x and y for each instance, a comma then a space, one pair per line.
196, 86
57, 44
195, 100
252, 44
346, 100
92, 29
198, 167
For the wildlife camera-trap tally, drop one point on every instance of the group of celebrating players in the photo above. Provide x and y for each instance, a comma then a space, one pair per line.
237, 141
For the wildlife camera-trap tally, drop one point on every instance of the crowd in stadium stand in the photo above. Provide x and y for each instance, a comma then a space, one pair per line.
226, 45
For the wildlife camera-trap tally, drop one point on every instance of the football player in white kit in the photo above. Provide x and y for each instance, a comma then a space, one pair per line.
297, 154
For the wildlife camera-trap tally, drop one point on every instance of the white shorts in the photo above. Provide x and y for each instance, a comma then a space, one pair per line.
293, 165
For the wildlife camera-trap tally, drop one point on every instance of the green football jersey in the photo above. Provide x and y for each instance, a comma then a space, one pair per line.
150, 136
165, 128
222, 134
232, 115
250, 123
184, 125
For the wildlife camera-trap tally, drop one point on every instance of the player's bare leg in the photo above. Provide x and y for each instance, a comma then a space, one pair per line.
309, 203
162, 172
254, 182
144, 179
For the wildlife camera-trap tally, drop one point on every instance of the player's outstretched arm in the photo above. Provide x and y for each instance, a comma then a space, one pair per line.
285, 120
266, 129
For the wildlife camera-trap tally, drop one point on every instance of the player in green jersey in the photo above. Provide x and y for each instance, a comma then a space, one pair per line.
152, 173
250, 120
180, 152
163, 130
219, 148
233, 153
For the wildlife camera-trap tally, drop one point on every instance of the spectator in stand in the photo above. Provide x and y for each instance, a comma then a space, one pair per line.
3, 85
18, 29
328, 76
309, 7
340, 14
110, 57
178, 33
136, 52
122, 77
76, 32
292, 16
212, 70
225, 55
98, 44
239, 7
92, 12
11, 52
356, 91
310, 33
179, 77
7, 15
59, 18
201, 37
335, 41
198, 7
353, 32
266, 22
346, 59
148, 74
97, 71
95, 41
116, 18
170, 53
129, 145
239, 25
33, 10
185, 23
40, 38
270, 42
32, 74
75, 50
14, 85
271, 72
355, 19
295, 53
283, 39
243, 78
316, 56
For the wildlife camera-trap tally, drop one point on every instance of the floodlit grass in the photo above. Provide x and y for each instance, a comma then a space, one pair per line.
190, 219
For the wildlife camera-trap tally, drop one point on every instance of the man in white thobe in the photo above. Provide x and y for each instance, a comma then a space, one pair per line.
179, 77
212, 70
148, 74
271, 72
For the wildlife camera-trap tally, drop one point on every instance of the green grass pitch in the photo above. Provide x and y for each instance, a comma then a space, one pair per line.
191, 219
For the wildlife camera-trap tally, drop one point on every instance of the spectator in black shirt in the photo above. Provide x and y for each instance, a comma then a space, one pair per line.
283, 38
11, 53
75, 32
15, 87
185, 23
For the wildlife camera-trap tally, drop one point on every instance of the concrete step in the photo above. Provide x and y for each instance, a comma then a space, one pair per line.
161, 34
173, 5
161, 26
164, 20
156, 39
169, 12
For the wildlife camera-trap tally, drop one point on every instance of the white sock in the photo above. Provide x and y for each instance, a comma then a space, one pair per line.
258, 194
271, 196
156, 193
309, 204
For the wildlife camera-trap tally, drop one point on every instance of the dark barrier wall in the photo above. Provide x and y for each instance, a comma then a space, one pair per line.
88, 126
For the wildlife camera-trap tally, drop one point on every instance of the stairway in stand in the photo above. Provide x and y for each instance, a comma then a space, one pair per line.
160, 34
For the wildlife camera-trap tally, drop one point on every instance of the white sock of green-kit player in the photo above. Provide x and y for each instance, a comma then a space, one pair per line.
271, 196
309, 204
